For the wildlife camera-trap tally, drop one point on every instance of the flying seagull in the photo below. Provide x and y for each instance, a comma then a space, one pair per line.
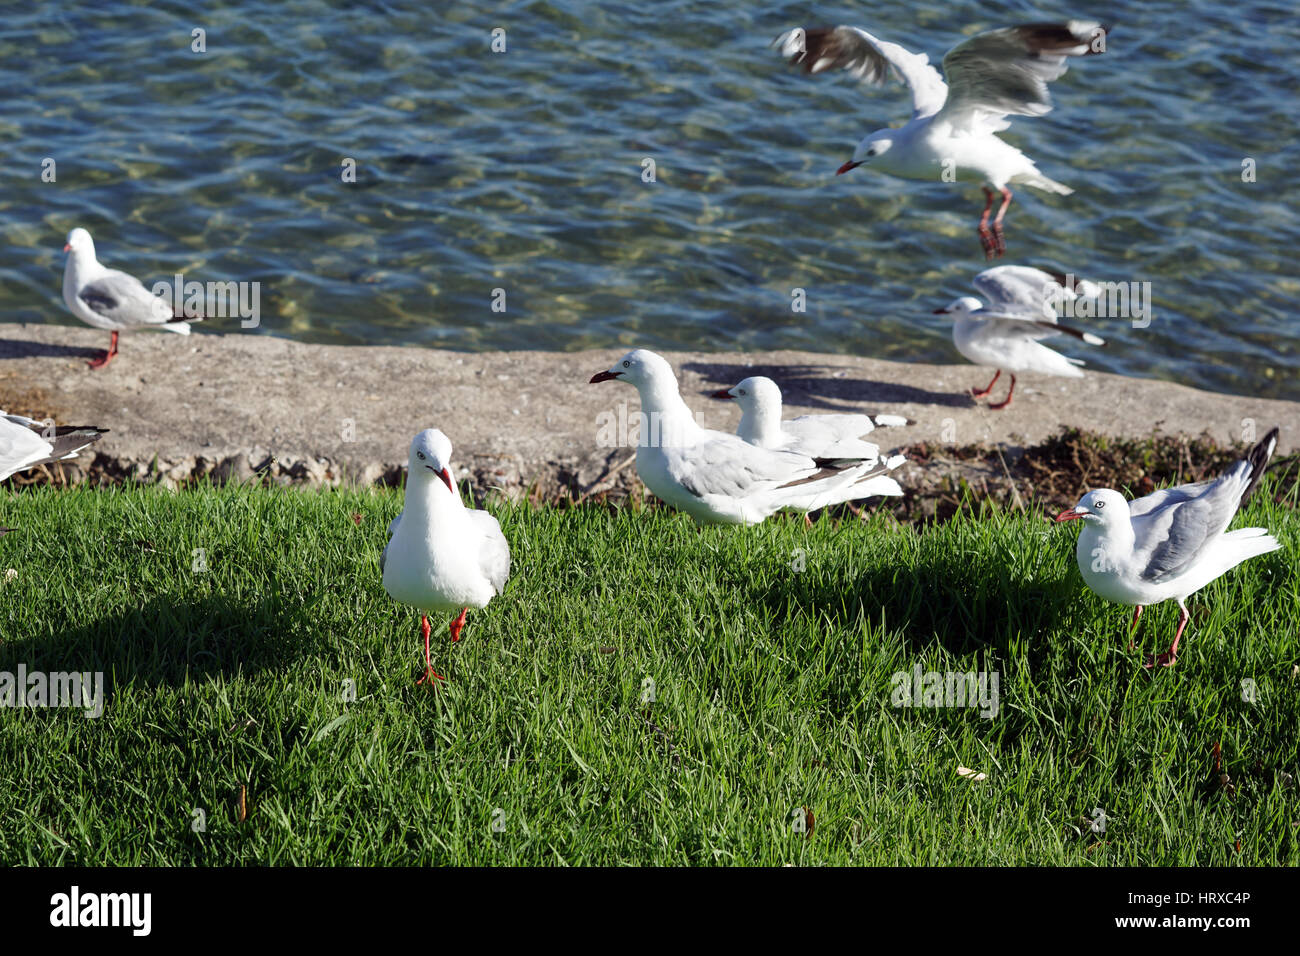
1169, 544
951, 134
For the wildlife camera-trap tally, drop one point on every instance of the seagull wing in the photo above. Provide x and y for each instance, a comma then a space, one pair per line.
392, 530
1006, 72
722, 464
1029, 325
26, 443
831, 436
494, 550
867, 58
1172, 534
124, 301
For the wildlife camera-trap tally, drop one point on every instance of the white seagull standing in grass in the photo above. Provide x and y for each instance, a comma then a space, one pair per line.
951, 135
818, 436
1004, 335
441, 555
718, 478
26, 443
1169, 544
112, 300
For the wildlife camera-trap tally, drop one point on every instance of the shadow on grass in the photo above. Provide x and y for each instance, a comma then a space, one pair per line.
168, 638
806, 385
959, 602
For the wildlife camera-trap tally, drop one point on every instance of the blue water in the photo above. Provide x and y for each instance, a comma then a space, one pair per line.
523, 171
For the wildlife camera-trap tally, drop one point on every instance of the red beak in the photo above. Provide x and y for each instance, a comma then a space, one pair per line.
846, 167
1069, 514
67, 248
721, 393
445, 475
604, 377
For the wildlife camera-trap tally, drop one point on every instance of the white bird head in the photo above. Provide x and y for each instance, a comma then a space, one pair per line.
966, 305
756, 393
79, 241
877, 144
430, 457
638, 367
1103, 506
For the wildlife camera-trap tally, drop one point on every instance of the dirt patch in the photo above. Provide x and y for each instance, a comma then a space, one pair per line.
940, 480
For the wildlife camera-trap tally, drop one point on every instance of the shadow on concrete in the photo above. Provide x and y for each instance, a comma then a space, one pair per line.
18, 349
812, 385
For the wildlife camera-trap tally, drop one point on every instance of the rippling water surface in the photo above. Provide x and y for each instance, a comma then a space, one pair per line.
523, 171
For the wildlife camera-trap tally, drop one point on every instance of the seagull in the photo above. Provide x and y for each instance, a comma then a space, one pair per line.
818, 436
1169, 544
108, 299
718, 478
26, 443
441, 555
1022, 309
950, 136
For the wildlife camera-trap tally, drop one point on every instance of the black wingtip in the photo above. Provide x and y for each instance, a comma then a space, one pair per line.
1258, 458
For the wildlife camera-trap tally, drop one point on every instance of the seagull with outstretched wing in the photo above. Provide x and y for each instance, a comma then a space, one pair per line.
951, 136
1004, 334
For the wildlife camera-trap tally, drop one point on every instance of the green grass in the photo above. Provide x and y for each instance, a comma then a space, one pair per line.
772, 693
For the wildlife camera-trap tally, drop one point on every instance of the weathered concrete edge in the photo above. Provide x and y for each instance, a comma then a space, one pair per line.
235, 405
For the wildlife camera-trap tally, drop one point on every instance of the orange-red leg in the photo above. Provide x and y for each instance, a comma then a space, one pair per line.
107, 356
1132, 631
983, 392
1000, 244
1169, 657
998, 406
457, 624
986, 236
430, 675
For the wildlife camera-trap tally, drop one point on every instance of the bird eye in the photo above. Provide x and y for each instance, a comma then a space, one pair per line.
740, 391
421, 455
1099, 505
627, 364
871, 152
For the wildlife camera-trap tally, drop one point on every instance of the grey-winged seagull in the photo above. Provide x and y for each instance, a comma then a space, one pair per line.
1169, 544
719, 478
441, 555
26, 443
112, 300
951, 134
819, 436
1005, 334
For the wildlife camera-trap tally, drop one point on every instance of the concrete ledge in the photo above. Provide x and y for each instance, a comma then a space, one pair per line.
228, 405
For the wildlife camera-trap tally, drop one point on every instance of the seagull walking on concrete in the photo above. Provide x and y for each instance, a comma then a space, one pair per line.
722, 479
26, 443
1169, 544
951, 136
107, 299
441, 555
1005, 334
